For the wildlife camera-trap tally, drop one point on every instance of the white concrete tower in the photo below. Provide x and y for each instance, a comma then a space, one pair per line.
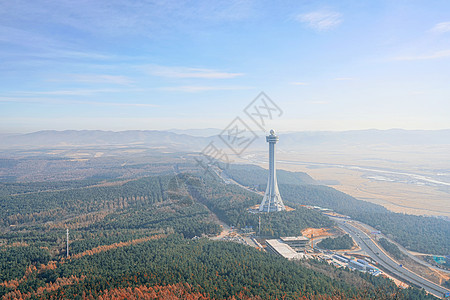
272, 199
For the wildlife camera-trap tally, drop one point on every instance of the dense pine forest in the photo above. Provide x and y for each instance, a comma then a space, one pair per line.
230, 203
337, 243
391, 248
148, 237
201, 268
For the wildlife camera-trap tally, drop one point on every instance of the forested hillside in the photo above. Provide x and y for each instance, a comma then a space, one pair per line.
417, 233
230, 203
162, 200
132, 238
250, 175
217, 270
337, 243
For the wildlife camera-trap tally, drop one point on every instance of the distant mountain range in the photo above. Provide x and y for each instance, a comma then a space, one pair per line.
75, 138
371, 137
205, 132
196, 140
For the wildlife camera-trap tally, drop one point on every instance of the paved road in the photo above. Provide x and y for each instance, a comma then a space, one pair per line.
406, 252
372, 249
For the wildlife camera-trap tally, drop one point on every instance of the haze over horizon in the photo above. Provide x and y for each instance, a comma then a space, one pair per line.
176, 64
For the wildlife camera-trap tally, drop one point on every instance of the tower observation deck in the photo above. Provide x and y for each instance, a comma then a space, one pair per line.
272, 199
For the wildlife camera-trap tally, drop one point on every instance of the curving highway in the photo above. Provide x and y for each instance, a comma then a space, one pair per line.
372, 249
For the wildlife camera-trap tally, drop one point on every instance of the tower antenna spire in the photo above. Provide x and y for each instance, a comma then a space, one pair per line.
272, 200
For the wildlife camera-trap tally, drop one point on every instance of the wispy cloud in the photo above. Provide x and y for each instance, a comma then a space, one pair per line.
184, 72
80, 55
44, 100
442, 27
15, 36
299, 83
120, 104
77, 92
195, 88
35, 44
435, 55
321, 20
123, 17
96, 78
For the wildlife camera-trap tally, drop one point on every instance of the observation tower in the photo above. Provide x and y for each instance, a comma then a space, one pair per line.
272, 199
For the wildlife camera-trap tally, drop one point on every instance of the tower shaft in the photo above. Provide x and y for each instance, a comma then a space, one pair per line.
272, 200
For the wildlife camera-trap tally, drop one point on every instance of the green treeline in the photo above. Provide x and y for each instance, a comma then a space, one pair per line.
421, 234
230, 203
338, 243
190, 220
15, 260
250, 175
56, 205
37, 187
391, 248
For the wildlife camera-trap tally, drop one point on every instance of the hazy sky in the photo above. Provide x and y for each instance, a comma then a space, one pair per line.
120, 64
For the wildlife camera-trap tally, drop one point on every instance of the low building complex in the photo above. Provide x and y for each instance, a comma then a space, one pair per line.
277, 247
298, 243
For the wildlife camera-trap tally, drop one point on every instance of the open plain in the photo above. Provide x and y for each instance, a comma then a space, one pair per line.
413, 180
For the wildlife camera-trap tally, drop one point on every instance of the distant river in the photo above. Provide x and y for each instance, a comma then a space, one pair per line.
415, 177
